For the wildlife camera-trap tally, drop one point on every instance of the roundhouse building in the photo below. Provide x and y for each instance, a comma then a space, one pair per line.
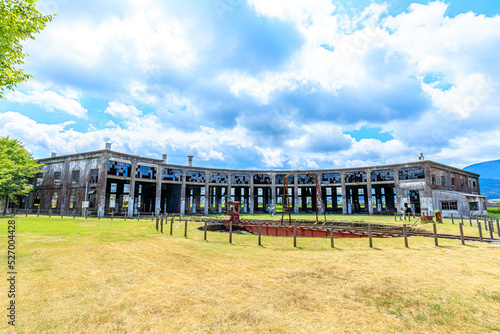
122, 183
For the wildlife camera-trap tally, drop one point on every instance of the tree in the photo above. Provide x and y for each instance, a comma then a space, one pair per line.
19, 21
16, 166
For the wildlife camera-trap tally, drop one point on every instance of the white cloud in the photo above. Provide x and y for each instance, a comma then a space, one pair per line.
122, 111
66, 101
170, 61
272, 158
48, 137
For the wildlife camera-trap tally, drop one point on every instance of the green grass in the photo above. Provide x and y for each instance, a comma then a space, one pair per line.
103, 276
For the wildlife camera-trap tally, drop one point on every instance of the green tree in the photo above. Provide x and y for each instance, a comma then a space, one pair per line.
19, 21
16, 166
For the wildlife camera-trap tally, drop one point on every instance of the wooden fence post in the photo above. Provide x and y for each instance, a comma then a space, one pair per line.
470, 221
405, 232
205, 231
230, 231
485, 224
452, 219
294, 234
491, 230
331, 237
157, 224
498, 228
435, 234
480, 232
462, 233
38, 212
186, 229
26, 212
462, 219
370, 234
161, 230
260, 234
395, 215
112, 214
50, 213
171, 225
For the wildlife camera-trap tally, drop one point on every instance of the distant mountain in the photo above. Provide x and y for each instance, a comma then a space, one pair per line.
490, 177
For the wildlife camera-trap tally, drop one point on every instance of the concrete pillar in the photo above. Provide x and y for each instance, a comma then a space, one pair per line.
102, 180
65, 180
480, 205
229, 186
158, 190
369, 192
399, 193
207, 193
295, 193
344, 193
251, 194
131, 202
273, 189
183, 192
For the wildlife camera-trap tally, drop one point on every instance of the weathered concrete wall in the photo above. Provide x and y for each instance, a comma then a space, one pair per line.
98, 160
462, 204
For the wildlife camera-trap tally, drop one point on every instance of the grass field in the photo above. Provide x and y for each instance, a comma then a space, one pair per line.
103, 276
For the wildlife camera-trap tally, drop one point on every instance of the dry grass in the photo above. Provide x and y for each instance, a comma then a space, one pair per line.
78, 276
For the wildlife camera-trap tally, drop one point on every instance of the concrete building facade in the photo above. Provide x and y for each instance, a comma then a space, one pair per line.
110, 181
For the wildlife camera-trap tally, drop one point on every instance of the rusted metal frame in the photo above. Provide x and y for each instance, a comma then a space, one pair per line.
286, 200
319, 199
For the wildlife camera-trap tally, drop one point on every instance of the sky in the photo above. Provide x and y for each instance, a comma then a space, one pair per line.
264, 84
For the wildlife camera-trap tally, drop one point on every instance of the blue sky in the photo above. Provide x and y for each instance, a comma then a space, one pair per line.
262, 83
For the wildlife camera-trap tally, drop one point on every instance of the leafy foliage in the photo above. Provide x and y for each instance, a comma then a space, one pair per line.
16, 166
19, 21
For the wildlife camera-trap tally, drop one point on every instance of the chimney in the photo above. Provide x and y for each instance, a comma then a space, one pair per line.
190, 160
108, 146
164, 157
53, 154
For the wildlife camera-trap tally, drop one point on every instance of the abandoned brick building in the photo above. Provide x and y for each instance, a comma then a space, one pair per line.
110, 181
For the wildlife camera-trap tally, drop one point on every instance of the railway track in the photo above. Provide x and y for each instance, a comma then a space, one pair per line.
377, 229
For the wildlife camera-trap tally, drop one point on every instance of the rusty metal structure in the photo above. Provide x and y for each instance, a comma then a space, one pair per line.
320, 205
233, 213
